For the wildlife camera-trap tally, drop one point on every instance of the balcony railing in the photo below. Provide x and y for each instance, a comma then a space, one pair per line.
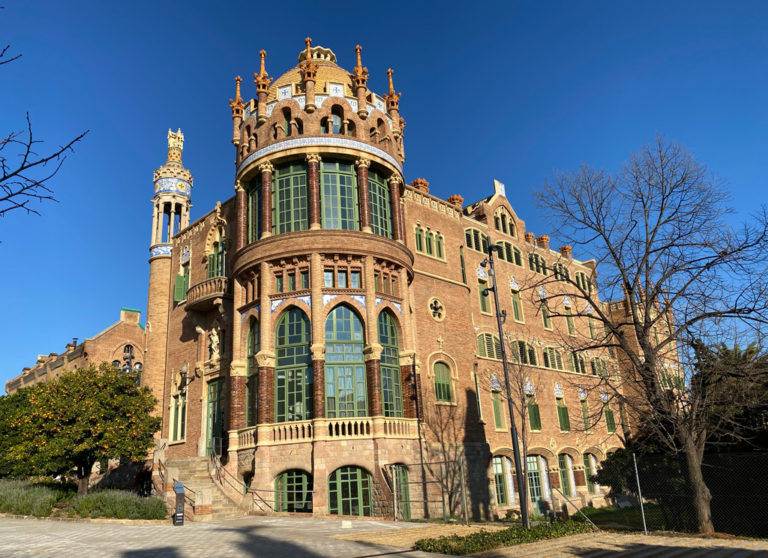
205, 294
350, 428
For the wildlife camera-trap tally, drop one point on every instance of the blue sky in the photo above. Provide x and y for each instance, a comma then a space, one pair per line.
508, 90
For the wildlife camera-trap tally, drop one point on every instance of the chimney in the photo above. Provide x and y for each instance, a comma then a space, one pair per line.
421, 184
543, 242
456, 199
565, 251
529, 236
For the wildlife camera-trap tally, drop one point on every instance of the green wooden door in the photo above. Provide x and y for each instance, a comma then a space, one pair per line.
215, 417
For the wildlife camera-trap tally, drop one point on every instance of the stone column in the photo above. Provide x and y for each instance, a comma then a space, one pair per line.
313, 179
318, 334
242, 216
309, 95
237, 400
397, 215
266, 198
365, 195
373, 379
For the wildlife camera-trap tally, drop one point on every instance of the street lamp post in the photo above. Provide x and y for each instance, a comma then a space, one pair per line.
500, 316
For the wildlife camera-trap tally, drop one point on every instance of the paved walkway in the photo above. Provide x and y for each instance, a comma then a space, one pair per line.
289, 537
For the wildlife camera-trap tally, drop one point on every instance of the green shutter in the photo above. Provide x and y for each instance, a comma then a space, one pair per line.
179, 289
564, 419
534, 416
497, 418
610, 422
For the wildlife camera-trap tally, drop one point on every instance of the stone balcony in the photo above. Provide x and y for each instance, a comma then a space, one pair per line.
350, 428
208, 294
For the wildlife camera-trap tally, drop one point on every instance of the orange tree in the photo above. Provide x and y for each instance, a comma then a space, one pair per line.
84, 416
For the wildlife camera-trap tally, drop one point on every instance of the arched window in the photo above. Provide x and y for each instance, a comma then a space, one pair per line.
287, 121
289, 193
536, 263
502, 479
391, 385
546, 318
293, 491
552, 358
523, 353
299, 126
254, 209
345, 385
577, 363
400, 479
442, 382
339, 196
337, 119
590, 470
293, 370
560, 272
351, 128
517, 306
538, 482
349, 492
476, 240
381, 129
217, 258
439, 252
419, 239
381, 214
583, 282
503, 222
429, 242
599, 367
324, 125
488, 346
252, 374
116, 364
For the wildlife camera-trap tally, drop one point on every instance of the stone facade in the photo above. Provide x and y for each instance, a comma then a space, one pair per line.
120, 344
327, 322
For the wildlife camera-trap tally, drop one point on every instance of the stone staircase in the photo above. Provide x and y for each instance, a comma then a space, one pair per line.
208, 500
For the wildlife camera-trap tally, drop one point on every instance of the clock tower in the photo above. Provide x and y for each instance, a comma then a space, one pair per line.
170, 214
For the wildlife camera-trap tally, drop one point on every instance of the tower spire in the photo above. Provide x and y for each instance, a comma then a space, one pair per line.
175, 146
237, 107
360, 78
262, 79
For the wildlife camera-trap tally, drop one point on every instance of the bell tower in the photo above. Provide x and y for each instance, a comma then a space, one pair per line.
170, 214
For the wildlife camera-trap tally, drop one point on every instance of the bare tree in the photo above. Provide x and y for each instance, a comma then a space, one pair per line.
25, 173
675, 272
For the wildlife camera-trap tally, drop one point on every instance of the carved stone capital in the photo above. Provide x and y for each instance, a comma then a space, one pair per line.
372, 352
395, 179
265, 359
362, 162
318, 351
238, 186
238, 368
266, 167
313, 158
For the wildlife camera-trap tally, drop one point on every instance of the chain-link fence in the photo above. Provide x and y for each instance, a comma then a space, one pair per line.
652, 492
430, 490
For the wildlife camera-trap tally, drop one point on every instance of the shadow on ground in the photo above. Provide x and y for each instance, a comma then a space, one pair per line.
641, 550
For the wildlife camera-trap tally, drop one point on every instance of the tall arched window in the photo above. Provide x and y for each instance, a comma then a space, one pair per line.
252, 374
339, 196
391, 386
217, 257
538, 481
430, 242
381, 213
287, 121
254, 209
293, 370
419, 239
345, 385
565, 464
289, 199
349, 492
442, 382
337, 118
488, 346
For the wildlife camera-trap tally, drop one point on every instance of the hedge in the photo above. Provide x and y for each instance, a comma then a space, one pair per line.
120, 505
488, 540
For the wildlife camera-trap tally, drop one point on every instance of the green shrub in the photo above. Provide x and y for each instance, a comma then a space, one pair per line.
27, 498
120, 505
487, 540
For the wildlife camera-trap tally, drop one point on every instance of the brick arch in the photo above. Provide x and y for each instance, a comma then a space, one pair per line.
541, 450
245, 327
347, 300
386, 306
286, 305
597, 452
439, 356
572, 451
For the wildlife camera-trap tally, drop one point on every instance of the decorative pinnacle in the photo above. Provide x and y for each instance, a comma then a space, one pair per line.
360, 74
175, 146
237, 104
262, 79
310, 68
392, 98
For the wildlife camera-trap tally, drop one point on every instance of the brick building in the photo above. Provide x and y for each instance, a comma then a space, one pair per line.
121, 344
327, 330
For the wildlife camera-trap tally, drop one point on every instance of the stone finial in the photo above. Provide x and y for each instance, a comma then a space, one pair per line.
262, 79
543, 242
393, 99
529, 236
565, 251
359, 72
175, 146
456, 199
309, 68
421, 184
236, 104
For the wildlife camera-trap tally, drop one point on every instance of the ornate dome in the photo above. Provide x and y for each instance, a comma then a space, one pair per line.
327, 72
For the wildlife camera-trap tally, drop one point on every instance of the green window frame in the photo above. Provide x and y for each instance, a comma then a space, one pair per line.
517, 307
355, 279
488, 346
293, 491
534, 415
400, 473
429, 242
564, 464
569, 321
482, 284
181, 284
463, 267
592, 330
338, 183
419, 239
477, 395
577, 363
380, 205
498, 417
442, 382
537, 264
217, 258
500, 480
178, 416
293, 370
610, 421
254, 210
589, 471
585, 415
535, 487
562, 415
346, 393
439, 251
304, 279
252, 374
552, 358
523, 353
289, 199
546, 319
349, 492
391, 385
